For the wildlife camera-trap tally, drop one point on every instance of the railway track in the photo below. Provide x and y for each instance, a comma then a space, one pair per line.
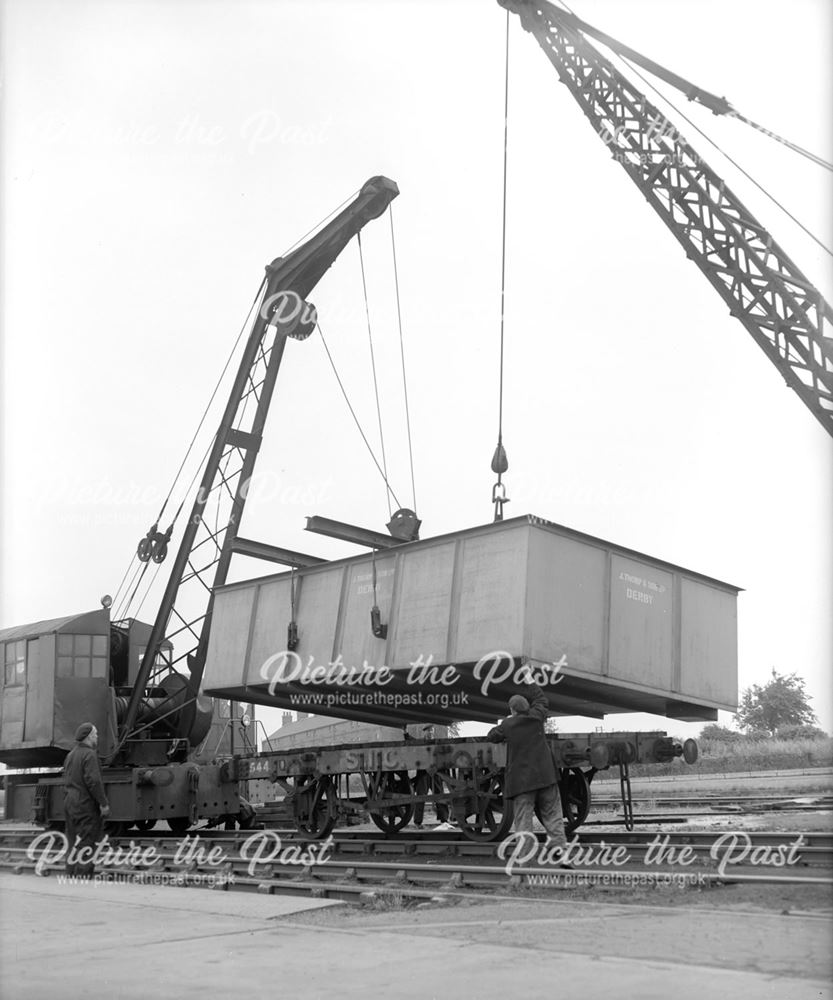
729, 802
356, 865
651, 809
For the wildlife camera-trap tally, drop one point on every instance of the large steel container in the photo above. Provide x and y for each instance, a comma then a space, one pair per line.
607, 629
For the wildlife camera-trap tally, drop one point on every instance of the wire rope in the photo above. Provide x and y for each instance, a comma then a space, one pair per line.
500, 462
723, 153
402, 356
503, 233
355, 418
190, 448
806, 153
375, 380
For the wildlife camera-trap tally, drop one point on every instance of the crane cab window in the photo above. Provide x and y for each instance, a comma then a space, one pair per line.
82, 656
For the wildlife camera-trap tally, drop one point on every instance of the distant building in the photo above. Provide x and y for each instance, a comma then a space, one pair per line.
323, 731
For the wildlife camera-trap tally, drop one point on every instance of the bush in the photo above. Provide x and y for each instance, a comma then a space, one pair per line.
715, 732
800, 733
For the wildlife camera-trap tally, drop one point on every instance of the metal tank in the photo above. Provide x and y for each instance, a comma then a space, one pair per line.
605, 629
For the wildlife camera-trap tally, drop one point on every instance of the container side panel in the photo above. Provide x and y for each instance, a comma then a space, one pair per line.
271, 619
424, 611
566, 601
641, 626
229, 638
317, 615
358, 644
494, 567
709, 628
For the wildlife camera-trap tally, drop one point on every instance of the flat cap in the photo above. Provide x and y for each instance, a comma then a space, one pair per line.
83, 731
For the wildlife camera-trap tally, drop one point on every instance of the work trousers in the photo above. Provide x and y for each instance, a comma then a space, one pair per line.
83, 830
548, 802
426, 784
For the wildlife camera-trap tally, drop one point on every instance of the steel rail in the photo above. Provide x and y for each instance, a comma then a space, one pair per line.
448, 877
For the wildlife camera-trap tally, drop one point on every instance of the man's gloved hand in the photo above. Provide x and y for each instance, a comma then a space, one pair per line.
525, 675
105, 810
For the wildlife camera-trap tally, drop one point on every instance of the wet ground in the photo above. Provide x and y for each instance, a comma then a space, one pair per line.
130, 941
126, 942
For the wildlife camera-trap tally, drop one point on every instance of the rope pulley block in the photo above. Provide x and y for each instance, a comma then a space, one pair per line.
288, 313
404, 525
154, 545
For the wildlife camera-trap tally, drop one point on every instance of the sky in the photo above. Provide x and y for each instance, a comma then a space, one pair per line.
155, 161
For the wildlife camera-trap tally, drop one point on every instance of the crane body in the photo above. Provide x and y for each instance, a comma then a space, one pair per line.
139, 683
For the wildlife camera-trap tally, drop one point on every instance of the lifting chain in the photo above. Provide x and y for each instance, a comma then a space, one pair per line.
376, 626
292, 627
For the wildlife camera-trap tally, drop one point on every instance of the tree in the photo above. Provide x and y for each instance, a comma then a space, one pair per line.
719, 733
781, 702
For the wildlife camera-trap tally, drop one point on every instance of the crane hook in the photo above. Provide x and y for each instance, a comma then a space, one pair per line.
500, 464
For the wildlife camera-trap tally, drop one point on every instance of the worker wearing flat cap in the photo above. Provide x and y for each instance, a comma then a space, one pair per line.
530, 771
85, 803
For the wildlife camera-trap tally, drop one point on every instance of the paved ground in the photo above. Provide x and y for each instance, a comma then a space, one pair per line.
125, 942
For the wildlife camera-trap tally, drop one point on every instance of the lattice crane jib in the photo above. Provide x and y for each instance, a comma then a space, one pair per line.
786, 315
204, 553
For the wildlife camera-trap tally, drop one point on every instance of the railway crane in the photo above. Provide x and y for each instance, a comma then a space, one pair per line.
140, 683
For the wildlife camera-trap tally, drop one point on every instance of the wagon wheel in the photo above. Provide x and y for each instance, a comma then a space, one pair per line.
575, 797
481, 810
143, 825
314, 807
392, 818
179, 824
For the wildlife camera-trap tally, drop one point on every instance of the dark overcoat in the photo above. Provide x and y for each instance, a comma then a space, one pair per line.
82, 777
529, 763
84, 796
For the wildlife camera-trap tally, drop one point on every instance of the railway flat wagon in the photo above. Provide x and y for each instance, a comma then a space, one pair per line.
436, 630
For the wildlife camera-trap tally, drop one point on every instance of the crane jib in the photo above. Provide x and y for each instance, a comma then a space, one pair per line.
240, 434
764, 289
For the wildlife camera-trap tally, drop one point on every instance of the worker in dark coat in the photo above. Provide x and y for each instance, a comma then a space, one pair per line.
426, 783
85, 803
530, 771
